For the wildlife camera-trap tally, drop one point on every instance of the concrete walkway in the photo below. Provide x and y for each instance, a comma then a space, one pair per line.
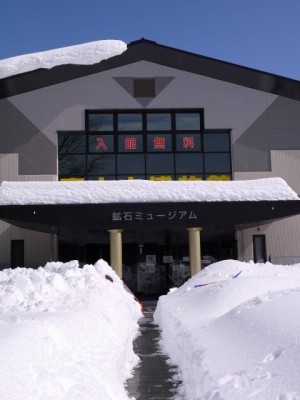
153, 377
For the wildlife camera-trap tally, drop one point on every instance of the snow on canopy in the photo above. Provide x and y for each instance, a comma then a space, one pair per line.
142, 191
83, 54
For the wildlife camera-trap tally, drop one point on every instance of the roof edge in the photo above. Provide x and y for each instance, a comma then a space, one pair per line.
151, 51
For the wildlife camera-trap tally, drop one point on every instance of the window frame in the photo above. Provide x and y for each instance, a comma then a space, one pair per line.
144, 134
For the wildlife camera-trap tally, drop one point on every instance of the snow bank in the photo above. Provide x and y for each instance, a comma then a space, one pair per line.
66, 333
235, 338
135, 191
83, 54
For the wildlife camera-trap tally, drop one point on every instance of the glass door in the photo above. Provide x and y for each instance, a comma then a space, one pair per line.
259, 248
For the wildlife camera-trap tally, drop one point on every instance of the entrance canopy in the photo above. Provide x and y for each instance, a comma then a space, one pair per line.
63, 206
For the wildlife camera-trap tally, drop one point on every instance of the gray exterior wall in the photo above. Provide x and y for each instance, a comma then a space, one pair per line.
62, 106
259, 121
277, 128
20, 135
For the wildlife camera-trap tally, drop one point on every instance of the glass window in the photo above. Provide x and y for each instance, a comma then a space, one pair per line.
102, 178
160, 164
100, 122
130, 122
217, 162
190, 178
187, 121
131, 164
216, 142
158, 122
130, 177
101, 143
72, 165
130, 143
165, 177
189, 163
159, 142
71, 143
101, 164
218, 177
188, 142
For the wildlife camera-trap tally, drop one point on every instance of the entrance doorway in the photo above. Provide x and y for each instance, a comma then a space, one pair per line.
153, 260
17, 253
152, 268
88, 253
259, 249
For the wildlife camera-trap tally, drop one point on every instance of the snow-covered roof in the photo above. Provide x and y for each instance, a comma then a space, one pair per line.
142, 191
83, 54
143, 49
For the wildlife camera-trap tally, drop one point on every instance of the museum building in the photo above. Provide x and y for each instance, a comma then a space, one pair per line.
151, 113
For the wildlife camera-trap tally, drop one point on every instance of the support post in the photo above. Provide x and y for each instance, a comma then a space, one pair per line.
115, 240
194, 250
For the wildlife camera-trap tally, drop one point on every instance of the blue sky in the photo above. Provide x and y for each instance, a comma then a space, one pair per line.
261, 34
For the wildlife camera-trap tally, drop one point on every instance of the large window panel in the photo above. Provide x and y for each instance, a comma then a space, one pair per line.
100, 122
101, 178
130, 122
130, 143
218, 177
190, 178
189, 163
216, 142
71, 143
188, 121
160, 164
188, 142
217, 163
130, 177
161, 177
72, 165
133, 164
101, 143
159, 143
158, 121
102, 164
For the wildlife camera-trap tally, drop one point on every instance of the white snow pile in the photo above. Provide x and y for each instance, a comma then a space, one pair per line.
66, 333
235, 339
83, 54
132, 191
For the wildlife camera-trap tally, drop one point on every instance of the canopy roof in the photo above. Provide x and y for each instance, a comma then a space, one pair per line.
67, 206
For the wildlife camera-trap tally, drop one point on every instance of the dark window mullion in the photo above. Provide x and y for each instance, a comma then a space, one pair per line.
144, 121
115, 132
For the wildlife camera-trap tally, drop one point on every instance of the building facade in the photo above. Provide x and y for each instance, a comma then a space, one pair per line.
155, 113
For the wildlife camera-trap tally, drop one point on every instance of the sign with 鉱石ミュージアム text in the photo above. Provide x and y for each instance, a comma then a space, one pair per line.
153, 216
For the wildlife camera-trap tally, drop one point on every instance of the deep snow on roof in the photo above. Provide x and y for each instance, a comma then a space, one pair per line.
142, 191
83, 54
